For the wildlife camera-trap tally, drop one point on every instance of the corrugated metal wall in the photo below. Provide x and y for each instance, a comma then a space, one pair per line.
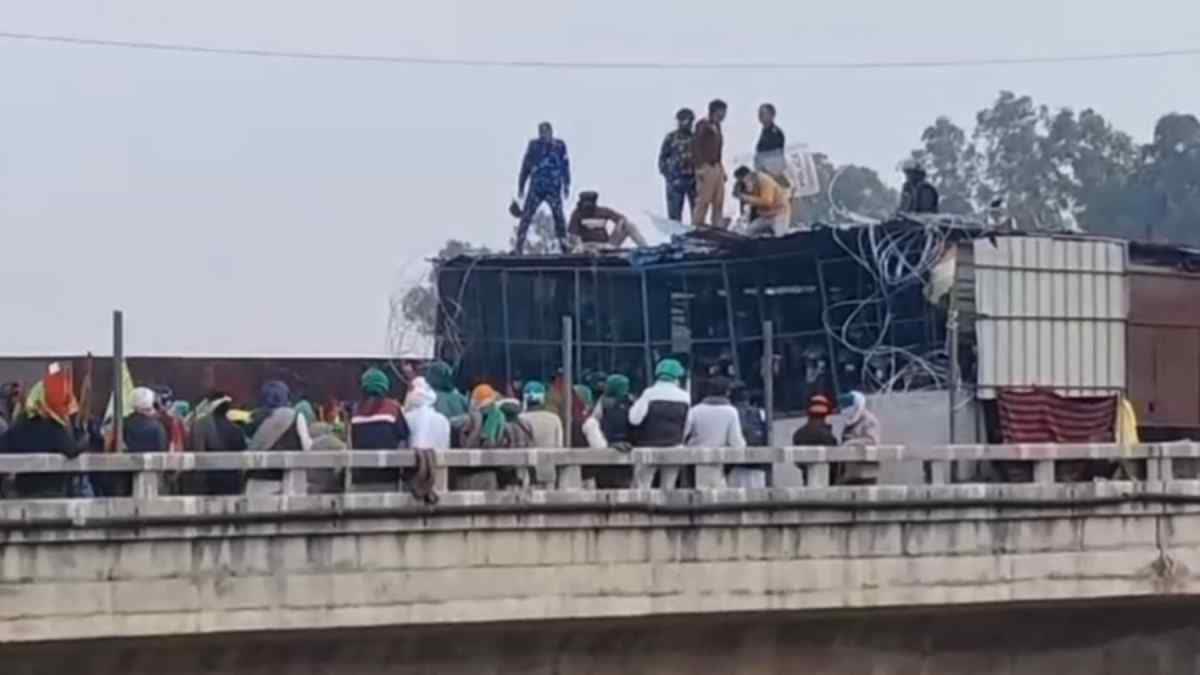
1052, 312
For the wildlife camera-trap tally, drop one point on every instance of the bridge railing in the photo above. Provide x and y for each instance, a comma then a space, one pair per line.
565, 469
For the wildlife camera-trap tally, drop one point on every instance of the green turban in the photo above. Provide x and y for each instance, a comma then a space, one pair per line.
669, 370
616, 387
375, 382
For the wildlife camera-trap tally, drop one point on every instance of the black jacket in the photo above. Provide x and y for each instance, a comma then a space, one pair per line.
614, 420
144, 433
815, 434
378, 424
40, 435
919, 198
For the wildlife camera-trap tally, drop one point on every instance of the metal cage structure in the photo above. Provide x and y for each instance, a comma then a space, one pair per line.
849, 307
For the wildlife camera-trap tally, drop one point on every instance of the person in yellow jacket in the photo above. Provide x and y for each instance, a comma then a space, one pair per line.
770, 204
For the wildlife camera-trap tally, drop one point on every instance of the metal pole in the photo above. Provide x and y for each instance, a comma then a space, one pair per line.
568, 380
729, 309
508, 375
768, 373
646, 332
118, 380
834, 370
952, 330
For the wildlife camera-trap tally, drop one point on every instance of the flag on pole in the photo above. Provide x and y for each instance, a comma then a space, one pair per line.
126, 388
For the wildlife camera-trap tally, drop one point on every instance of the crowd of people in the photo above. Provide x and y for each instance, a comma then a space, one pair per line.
691, 162
430, 415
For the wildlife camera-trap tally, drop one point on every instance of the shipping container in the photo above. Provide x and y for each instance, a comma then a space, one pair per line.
1164, 347
1051, 311
320, 378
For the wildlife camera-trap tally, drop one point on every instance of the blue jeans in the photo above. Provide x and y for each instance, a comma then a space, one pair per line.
678, 191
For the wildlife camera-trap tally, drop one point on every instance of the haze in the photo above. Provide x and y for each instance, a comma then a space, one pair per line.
238, 205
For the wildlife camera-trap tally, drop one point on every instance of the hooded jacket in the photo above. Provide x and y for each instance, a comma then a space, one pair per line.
428, 429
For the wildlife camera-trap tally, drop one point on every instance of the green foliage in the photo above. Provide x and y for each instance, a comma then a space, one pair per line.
1062, 170
855, 189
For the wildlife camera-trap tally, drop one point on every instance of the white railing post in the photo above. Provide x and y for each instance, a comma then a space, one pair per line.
1043, 472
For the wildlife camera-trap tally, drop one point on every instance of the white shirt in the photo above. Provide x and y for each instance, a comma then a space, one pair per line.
713, 424
428, 429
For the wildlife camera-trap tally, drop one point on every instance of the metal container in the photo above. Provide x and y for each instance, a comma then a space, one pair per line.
1164, 347
1051, 312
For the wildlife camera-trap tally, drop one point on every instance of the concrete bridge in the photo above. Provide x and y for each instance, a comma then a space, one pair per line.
943, 577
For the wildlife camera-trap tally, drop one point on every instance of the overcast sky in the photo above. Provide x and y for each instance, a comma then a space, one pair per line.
250, 205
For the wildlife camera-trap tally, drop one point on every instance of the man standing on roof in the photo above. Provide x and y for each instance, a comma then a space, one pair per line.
707, 147
589, 224
918, 195
676, 166
547, 167
770, 202
769, 153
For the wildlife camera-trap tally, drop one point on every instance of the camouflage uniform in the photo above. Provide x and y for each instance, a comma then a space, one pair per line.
675, 165
548, 172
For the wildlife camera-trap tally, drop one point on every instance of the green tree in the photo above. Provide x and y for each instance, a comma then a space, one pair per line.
1165, 191
415, 309
952, 163
1054, 170
846, 191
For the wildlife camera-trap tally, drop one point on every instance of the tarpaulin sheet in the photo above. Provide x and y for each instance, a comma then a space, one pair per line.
1042, 416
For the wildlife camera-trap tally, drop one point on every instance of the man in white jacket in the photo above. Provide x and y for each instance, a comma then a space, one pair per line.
715, 423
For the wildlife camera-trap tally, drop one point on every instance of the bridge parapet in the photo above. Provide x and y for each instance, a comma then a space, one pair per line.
181, 565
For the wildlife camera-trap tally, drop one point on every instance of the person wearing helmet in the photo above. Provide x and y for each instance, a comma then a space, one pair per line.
675, 165
589, 224
659, 416
917, 195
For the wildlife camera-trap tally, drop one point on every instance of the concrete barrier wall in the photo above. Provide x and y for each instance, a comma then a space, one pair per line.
1137, 638
188, 566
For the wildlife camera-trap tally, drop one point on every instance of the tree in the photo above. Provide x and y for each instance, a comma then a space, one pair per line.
414, 306
847, 191
1054, 170
952, 164
1166, 187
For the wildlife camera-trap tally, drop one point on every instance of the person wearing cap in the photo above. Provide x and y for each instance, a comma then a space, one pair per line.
589, 224
771, 206
547, 428
659, 416
676, 166
918, 195
816, 431
546, 171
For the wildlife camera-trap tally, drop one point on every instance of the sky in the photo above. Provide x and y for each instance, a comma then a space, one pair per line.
244, 205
